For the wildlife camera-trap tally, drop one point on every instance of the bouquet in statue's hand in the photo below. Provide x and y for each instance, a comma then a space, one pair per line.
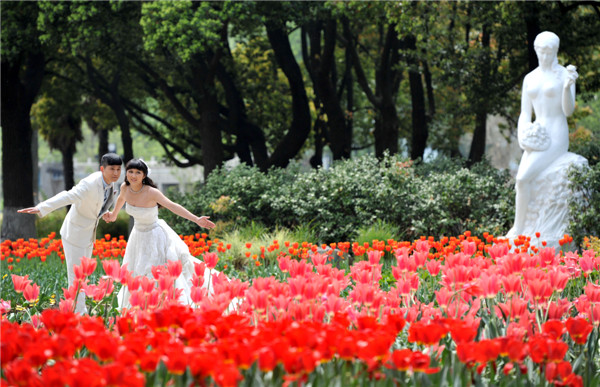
534, 138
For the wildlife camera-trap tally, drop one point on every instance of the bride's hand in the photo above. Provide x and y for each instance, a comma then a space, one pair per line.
203, 221
109, 217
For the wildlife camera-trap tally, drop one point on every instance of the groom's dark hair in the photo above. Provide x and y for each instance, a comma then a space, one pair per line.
110, 159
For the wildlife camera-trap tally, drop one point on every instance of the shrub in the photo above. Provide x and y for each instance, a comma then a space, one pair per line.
54, 220
232, 197
584, 207
116, 228
441, 197
453, 199
50, 223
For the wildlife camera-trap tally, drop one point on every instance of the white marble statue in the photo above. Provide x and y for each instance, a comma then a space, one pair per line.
542, 182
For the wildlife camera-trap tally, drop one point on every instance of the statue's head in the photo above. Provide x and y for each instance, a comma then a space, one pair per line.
546, 47
546, 39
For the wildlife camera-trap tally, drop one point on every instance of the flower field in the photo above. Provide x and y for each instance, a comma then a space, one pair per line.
457, 311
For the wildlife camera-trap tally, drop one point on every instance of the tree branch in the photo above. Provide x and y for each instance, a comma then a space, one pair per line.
358, 69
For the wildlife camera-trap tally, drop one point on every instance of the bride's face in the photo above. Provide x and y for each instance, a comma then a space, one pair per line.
135, 176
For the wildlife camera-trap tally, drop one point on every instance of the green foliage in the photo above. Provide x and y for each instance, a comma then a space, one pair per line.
116, 228
585, 138
50, 223
51, 276
585, 205
260, 79
54, 220
451, 199
19, 30
189, 28
380, 231
337, 204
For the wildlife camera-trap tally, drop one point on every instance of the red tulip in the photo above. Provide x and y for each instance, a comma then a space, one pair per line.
579, 329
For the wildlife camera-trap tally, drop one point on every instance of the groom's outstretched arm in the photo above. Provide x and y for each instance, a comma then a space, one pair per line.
64, 198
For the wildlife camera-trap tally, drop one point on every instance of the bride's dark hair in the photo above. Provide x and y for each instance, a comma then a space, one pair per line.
141, 166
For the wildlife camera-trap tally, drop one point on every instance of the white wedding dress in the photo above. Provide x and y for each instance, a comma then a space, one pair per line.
152, 243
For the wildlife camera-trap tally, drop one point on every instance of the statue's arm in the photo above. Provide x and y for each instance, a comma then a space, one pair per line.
568, 95
526, 112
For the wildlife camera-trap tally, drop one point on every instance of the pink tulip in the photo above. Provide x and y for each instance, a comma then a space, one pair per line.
284, 263
433, 267
469, 248
373, 256
4, 307
422, 246
319, 259
197, 281
36, 321
498, 250
197, 294
20, 282
31, 292
199, 268
114, 270
157, 271
211, 260
71, 292
165, 282
174, 268
133, 282
88, 265
489, 285
592, 291
66, 305
587, 261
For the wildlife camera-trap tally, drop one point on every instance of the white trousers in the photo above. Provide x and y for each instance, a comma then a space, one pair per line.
73, 256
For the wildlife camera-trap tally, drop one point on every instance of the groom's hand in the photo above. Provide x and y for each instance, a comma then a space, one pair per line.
107, 217
29, 210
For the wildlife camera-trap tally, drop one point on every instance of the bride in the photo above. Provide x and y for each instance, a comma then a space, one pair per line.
152, 242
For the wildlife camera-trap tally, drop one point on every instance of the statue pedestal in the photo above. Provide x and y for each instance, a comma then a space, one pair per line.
548, 210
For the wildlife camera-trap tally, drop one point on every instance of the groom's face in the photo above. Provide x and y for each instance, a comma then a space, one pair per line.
111, 173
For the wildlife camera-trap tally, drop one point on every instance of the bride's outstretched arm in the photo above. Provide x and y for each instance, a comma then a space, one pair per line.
112, 216
178, 209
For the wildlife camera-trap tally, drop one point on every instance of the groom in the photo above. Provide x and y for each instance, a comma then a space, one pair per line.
89, 200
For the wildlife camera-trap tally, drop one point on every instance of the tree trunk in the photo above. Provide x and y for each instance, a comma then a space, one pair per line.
322, 68
68, 169
296, 136
17, 163
419, 120
119, 109
417, 95
533, 29
386, 130
317, 159
478, 144
387, 79
102, 143
349, 97
210, 133
113, 100
251, 145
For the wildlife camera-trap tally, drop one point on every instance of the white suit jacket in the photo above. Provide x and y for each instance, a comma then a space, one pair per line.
86, 199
